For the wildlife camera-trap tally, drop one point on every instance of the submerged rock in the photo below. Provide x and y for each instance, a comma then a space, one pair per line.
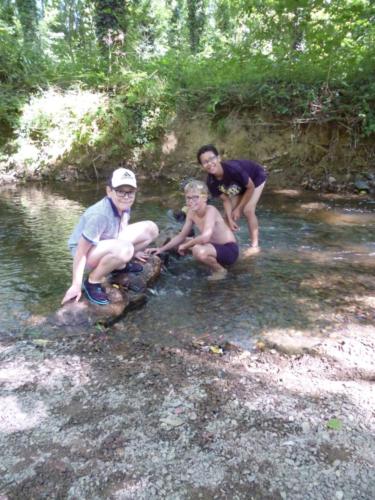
362, 185
125, 291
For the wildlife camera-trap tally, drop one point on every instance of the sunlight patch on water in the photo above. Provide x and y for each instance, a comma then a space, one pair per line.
337, 218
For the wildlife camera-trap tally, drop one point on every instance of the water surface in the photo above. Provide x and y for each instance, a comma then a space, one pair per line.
315, 271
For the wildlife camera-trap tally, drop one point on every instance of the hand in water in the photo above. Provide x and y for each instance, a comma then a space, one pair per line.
74, 292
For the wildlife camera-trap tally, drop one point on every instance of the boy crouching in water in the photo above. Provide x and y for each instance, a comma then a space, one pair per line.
216, 246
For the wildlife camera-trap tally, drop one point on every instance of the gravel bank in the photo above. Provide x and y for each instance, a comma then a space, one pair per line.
94, 418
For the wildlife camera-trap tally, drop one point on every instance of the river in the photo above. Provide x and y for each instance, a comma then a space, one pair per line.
315, 270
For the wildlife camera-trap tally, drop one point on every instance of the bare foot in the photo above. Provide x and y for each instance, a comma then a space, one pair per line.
251, 251
218, 275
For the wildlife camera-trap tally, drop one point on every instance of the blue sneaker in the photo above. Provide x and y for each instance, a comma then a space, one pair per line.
131, 267
95, 293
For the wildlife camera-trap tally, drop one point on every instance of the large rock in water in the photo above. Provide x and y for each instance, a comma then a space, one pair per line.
125, 291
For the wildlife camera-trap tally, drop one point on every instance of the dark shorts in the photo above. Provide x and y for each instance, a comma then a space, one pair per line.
260, 178
226, 254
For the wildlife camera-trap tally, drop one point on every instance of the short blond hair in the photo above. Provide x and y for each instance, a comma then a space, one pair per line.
197, 186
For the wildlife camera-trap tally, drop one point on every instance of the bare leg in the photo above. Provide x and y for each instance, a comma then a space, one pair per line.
140, 234
252, 220
207, 255
107, 256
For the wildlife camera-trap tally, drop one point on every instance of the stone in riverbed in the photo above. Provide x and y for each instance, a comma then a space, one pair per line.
125, 292
361, 185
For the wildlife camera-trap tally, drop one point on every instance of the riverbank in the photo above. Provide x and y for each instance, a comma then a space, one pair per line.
99, 417
166, 404
297, 154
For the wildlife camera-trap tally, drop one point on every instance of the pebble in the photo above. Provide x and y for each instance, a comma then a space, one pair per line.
288, 443
305, 427
171, 421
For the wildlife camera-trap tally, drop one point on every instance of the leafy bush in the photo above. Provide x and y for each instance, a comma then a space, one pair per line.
51, 123
313, 61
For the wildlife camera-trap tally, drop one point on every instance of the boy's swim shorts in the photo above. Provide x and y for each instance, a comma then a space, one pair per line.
226, 254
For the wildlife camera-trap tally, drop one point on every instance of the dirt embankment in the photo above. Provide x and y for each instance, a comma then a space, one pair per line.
296, 154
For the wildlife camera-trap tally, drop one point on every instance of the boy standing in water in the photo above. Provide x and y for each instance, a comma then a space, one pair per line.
239, 184
103, 240
216, 246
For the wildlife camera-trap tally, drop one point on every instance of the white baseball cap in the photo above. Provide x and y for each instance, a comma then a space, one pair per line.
123, 177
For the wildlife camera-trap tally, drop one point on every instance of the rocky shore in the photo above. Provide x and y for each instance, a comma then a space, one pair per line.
96, 416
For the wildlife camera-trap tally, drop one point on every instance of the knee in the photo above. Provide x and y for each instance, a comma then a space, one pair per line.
199, 252
249, 211
152, 230
125, 251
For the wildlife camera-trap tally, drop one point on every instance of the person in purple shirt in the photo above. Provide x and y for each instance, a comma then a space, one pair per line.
239, 184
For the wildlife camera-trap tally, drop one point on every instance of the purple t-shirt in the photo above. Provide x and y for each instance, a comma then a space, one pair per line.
236, 177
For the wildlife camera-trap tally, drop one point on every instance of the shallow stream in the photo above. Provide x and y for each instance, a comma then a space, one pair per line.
316, 269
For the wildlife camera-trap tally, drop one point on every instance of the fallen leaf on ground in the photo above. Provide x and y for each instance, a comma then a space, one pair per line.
334, 424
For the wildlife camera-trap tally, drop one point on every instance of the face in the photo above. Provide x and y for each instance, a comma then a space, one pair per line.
123, 196
195, 200
210, 162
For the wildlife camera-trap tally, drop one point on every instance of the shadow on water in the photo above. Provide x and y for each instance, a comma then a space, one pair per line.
315, 271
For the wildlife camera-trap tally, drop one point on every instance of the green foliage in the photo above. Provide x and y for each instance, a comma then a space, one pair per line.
111, 23
52, 123
28, 16
150, 59
11, 70
79, 124
196, 21
334, 424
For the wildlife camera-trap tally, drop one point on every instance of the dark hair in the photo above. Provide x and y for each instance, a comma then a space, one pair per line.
205, 149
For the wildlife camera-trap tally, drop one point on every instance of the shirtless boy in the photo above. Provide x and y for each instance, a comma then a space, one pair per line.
216, 245
103, 240
239, 184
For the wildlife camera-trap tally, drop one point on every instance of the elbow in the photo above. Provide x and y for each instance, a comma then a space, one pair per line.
206, 238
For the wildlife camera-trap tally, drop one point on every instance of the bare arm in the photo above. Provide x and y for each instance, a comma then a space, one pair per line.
228, 211
79, 264
245, 198
176, 240
206, 234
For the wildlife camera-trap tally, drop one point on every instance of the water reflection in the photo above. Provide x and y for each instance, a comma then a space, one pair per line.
315, 270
